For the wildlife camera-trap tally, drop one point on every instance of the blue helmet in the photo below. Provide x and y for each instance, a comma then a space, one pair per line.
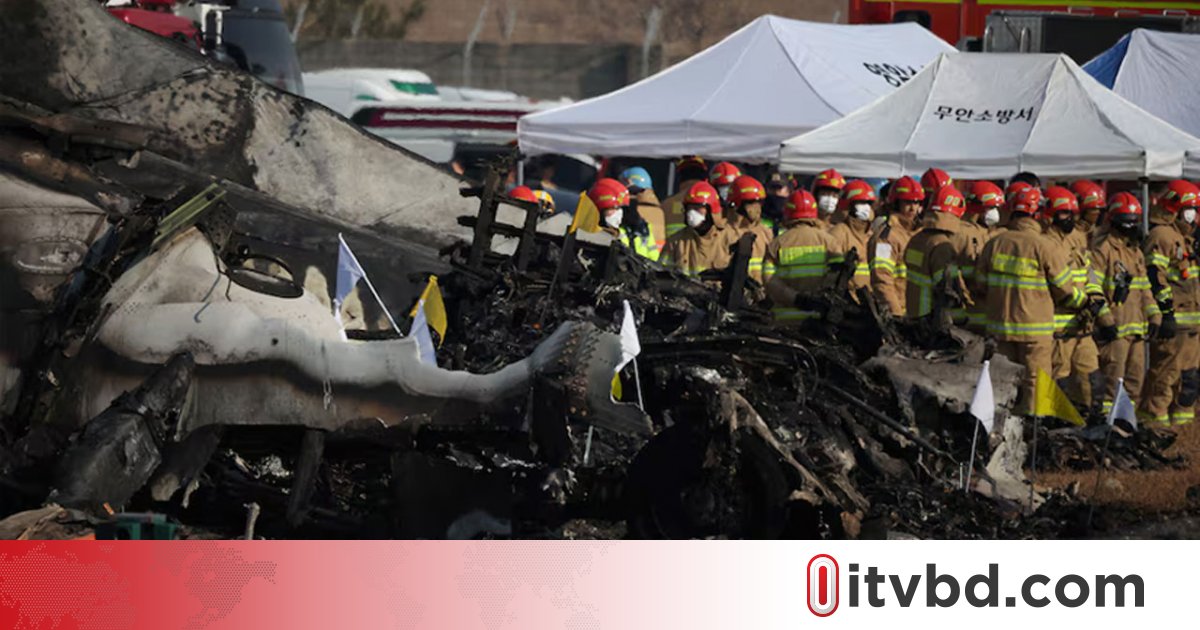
636, 177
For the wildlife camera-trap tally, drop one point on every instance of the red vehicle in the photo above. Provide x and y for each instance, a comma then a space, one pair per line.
158, 17
965, 23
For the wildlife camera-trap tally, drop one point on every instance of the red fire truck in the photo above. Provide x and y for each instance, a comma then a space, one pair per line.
1080, 28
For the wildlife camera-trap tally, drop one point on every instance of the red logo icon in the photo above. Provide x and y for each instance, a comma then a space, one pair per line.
822, 585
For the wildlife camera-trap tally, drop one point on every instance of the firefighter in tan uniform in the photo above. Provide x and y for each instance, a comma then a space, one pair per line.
1173, 382
933, 255
827, 190
1072, 331
890, 239
798, 261
852, 234
979, 225
1022, 276
1130, 314
704, 244
744, 216
1091, 206
688, 172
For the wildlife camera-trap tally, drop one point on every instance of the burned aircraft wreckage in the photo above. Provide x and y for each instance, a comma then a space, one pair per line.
166, 231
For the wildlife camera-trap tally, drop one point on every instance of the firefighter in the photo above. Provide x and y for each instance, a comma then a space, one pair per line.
688, 171
641, 187
777, 196
1010, 194
1075, 359
798, 261
721, 177
746, 202
827, 189
1173, 382
889, 240
932, 256
523, 193
1130, 314
1091, 205
858, 199
934, 180
704, 243
1021, 276
611, 198
981, 222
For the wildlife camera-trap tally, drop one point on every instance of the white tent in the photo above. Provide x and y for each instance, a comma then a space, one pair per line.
740, 98
990, 115
1160, 72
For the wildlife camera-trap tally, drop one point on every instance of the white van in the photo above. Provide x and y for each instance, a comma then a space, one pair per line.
344, 90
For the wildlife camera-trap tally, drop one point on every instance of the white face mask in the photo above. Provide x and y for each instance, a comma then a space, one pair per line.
695, 218
723, 191
827, 203
991, 217
613, 219
862, 211
1189, 216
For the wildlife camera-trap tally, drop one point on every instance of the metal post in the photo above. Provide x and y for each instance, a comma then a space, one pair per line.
1037, 420
1099, 471
971, 462
637, 379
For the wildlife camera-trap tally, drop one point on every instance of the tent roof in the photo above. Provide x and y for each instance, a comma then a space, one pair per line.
741, 97
1160, 72
990, 115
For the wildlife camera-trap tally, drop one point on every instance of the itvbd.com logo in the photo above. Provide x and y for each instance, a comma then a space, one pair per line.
1036, 591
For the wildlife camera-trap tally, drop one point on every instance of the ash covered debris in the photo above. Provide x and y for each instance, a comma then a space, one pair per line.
167, 343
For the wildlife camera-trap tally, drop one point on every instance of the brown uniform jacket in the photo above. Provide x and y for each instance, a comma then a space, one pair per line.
932, 255
651, 211
888, 272
853, 234
797, 263
1111, 254
762, 239
971, 238
691, 252
1172, 255
1023, 275
1074, 247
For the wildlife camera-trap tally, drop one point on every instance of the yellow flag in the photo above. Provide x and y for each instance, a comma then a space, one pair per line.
587, 215
435, 308
616, 386
1052, 402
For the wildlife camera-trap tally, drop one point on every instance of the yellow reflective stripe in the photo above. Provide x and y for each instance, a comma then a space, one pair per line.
1062, 278
1032, 284
1158, 260
803, 254
914, 257
1187, 318
674, 227
1139, 282
1038, 329
768, 268
802, 271
884, 264
1132, 328
1062, 320
862, 269
1151, 310
756, 264
1015, 265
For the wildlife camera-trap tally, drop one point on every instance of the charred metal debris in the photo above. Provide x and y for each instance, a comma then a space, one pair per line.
856, 427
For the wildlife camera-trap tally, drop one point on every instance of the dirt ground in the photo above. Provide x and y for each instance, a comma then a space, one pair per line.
1167, 490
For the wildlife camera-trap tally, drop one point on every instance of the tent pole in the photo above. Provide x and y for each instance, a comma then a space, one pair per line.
671, 178
1145, 205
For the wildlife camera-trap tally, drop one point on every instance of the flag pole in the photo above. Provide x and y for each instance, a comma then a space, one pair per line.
971, 462
637, 379
367, 279
1037, 420
1099, 472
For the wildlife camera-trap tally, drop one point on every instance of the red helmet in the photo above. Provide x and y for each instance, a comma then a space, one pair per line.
1180, 194
723, 174
800, 205
746, 189
829, 178
523, 193
1026, 200
855, 192
1089, 193
906, 189
1124, 204
935, 179
982, 195
949, 199
1059, 199
703, 193
608, 193
690, 162
1011, 192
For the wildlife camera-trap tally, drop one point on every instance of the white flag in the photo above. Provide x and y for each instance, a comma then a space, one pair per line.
630, 346
349, 272
983, 406
420, 331
1122, 408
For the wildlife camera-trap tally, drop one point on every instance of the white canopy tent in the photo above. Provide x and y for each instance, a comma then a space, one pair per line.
987, 116
1159, 72
741, 97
